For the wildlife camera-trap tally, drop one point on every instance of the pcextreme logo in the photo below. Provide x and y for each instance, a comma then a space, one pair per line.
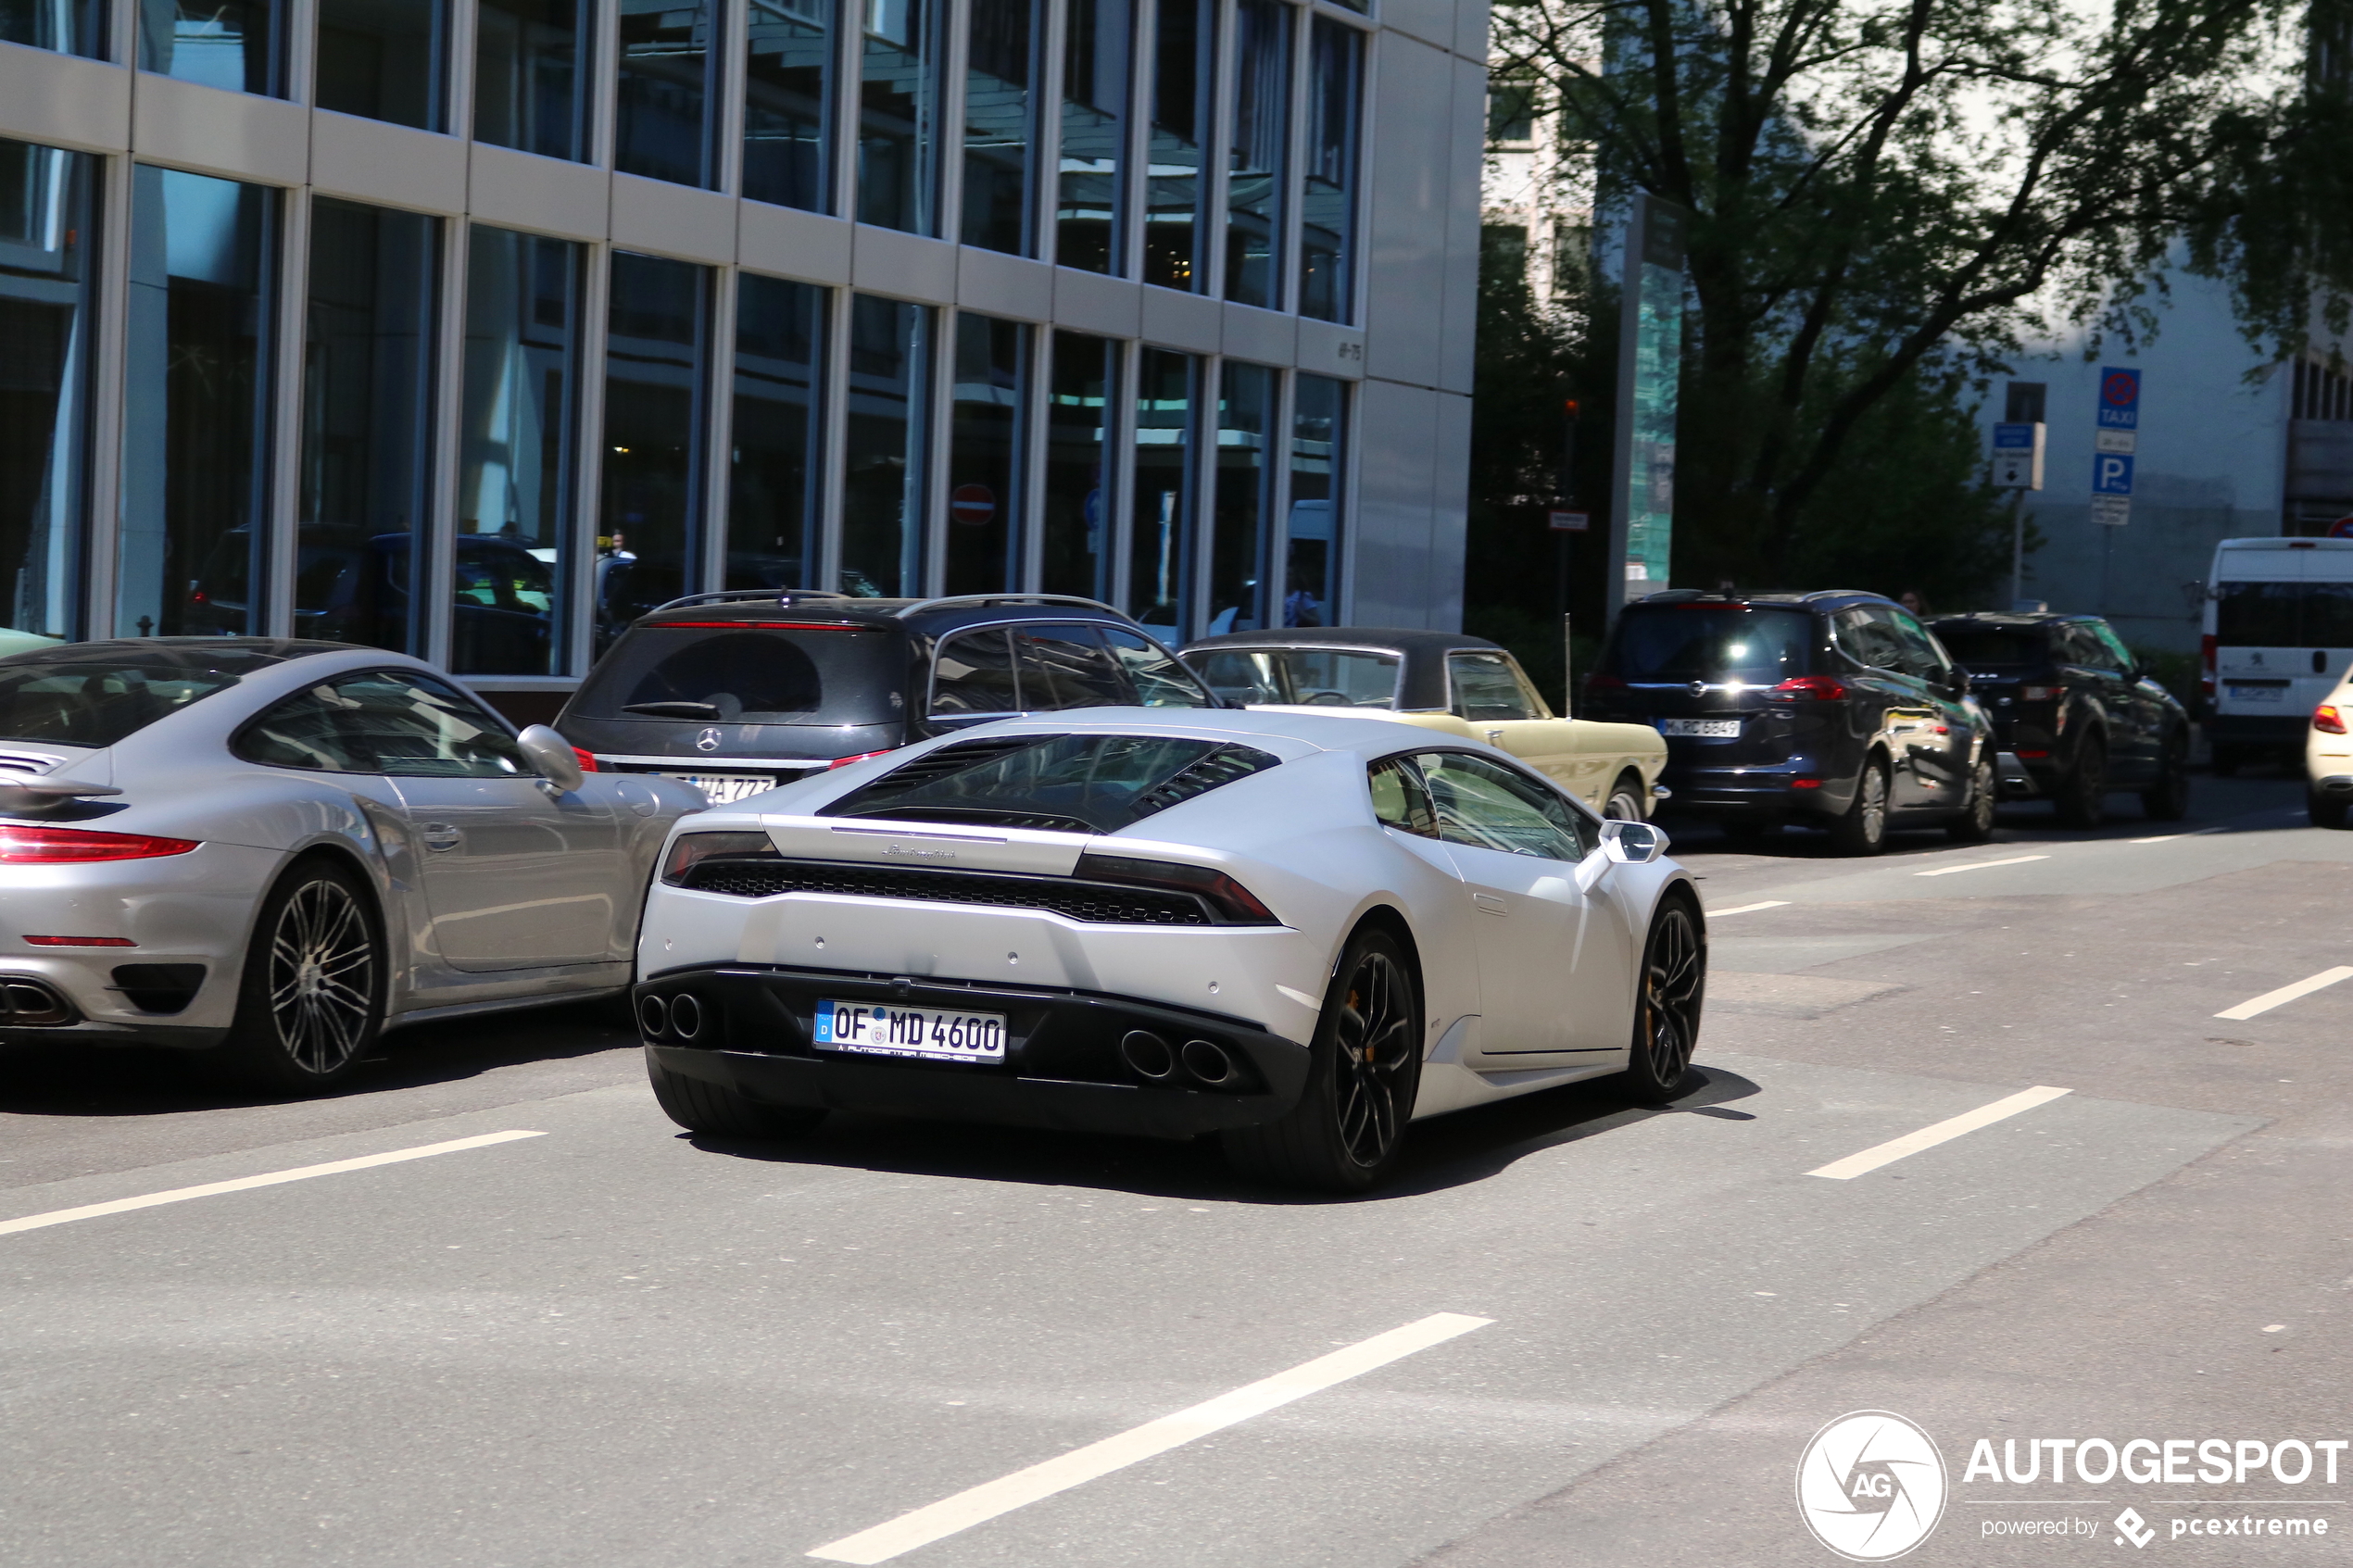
1870, 1485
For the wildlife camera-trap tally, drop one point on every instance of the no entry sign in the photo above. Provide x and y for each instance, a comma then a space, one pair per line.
972, 505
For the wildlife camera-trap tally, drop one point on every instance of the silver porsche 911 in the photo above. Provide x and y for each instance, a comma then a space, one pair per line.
271, 850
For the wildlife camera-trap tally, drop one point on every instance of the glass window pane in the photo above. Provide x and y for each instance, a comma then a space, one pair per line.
1001, 66
234, 44
1328, 222
1340, 678
195, 405
1090, 196
382, 59
985, 440
897, 115
1485, 686
975, 674
1256, 162
367, 422
779, 433
1160, 681
516, 457
788, 78
882, 535
1244, 500
1160, 521
48, 290
67, 27
1077, 537
663, 125
1311, 574
1182, 73
530, 75
657, 364
1491, 807
1066, 667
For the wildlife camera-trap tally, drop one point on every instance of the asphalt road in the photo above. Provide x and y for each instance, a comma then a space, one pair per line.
609, 1344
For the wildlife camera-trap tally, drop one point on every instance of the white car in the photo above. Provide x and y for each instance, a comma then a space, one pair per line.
2328, 756
1295, 930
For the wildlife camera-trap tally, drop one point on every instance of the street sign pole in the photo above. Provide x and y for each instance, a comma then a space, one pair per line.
2017, 468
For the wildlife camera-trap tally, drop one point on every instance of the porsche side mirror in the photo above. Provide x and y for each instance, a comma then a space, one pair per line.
551, 756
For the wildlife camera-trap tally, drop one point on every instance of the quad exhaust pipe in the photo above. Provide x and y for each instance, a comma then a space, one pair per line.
680, 1015
1153, 1058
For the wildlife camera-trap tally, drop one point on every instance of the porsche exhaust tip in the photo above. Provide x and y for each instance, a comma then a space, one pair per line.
1209, 1065
1146, 1055
653, 1016
32, 1003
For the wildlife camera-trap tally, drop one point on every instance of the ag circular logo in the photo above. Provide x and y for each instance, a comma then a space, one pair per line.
1870, 1485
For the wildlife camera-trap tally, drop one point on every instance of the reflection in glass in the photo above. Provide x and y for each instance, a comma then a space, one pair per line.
1327, 223
663, 125
48, 291
657, 345
1243, 500
233, 45
1183, 50
1255, 162
1078, 532
367, 423
997, 133
985, 439
530, 75
516, 457
1094, 149
195, 402
882, 535
65, 27
1164, 496
779, 433
1319, 433
788, 73
382, 59
898, 110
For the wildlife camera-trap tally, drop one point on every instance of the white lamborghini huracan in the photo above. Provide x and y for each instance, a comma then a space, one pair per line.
1298, 932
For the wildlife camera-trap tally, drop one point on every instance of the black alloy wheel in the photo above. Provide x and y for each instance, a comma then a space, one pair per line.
1625, 803
1863, 829
1975, 824
2082, 795
2168, 801
1673, 983
2327, 810
311, 999
1364, 1068
703, 1106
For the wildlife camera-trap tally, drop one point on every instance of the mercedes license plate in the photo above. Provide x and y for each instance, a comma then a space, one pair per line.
875, 1030
2256, 694
1719, 728
724, 789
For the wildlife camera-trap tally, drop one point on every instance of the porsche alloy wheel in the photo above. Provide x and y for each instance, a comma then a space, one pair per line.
1364, 1068
1673, 982
312, 997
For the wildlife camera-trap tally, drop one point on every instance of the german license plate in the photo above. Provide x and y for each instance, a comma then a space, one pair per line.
871, 1029
2256, 694
1720, 729
724, 789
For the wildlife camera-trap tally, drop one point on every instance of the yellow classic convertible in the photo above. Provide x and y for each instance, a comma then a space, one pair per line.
1440, 681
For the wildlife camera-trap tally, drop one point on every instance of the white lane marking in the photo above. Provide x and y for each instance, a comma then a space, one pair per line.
2286, 994
2194, 832
243, 1183
1942, 1131
1075, 1468
1982, 865
1748, 909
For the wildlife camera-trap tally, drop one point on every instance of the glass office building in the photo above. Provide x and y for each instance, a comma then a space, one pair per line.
475, 332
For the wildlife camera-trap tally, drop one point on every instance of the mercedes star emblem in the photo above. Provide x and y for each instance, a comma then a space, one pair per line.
707, 741
1697, 689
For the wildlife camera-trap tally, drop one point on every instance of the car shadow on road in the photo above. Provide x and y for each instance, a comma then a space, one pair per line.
1447, 1151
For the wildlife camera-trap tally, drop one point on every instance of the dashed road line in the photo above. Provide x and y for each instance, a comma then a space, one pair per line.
1872, 1159
1079, 1466
1982, 865
2286, 994
2194, 832
244, 1184
1749, 909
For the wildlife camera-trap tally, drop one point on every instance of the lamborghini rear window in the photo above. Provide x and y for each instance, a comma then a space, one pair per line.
1065, 783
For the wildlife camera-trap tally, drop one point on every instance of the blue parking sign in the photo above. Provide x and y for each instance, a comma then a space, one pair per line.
2112, 475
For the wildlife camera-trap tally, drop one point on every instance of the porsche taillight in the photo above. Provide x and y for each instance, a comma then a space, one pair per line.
55, 846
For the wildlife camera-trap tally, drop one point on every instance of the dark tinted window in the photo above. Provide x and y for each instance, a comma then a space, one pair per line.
2284, 615
1065, 667
383, 721
1712, 643
734, 674
1076, 784
2093, 651
96, 702
1159, 680
974, 673
1399, 800
1914, 654
1991, 647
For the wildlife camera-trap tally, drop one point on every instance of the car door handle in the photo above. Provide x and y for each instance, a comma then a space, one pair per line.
1488, 904
443, 836
1495, 737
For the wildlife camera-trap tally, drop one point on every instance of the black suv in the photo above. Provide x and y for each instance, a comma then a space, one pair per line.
741, 691
2074, 714
1833, 706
